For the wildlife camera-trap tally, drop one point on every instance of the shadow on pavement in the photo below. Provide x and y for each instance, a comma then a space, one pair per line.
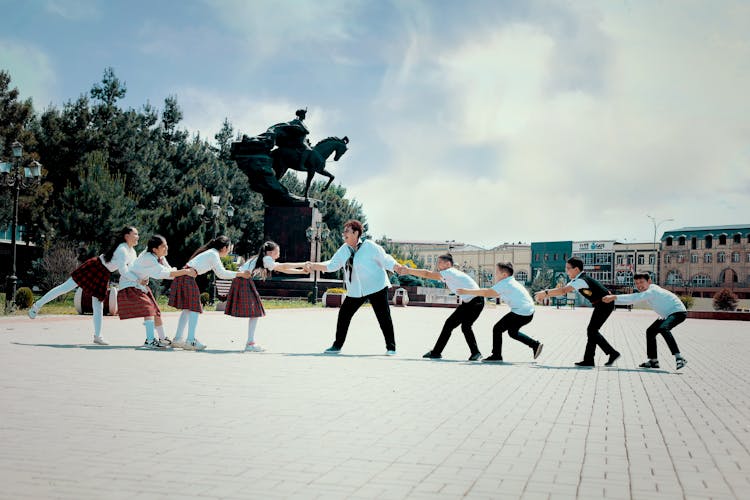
610, 368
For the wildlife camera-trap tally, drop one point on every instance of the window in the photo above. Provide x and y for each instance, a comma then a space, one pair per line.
522, 277
693, 258
735, 256
652, 258
630, 260
674, 278
554, 256
680, 258
536, 258
722, 239
721, 257
667, 258
737, 238
565, 257
707, 258
619, 260
546, 257
701, 280
694, 243
681, 241
624, 278
641, 259
669, 241
709, 241
748, 257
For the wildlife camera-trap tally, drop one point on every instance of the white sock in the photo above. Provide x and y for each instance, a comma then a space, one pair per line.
252, 324
66, 287
160, 332
677, 355
98, 308
181, 324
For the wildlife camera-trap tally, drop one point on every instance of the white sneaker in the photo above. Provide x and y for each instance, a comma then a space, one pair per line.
194, 346
254, 348
99, 340
33, 311
151, 344
178, 344
390, 353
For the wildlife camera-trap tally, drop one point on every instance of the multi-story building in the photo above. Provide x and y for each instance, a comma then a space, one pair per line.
598, 259
702, 260
631, 258
551, 256
477, 262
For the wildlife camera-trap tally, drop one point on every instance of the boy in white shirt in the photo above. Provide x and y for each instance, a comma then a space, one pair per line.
671, 313
521, 311
466, 313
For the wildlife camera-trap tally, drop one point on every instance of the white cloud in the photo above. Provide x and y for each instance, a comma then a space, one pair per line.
30, 70
73, 10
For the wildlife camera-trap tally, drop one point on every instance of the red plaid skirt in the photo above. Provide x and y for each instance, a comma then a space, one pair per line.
135, 303
243, 300
185, 294
93, 278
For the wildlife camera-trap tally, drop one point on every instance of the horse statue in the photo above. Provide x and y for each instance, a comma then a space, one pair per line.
313, 163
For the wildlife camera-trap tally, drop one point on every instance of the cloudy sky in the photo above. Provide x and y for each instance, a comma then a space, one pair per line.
480, 121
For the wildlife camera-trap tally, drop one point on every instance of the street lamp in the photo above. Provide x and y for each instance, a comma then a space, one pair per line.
316, 233
213, 216
450, 244
654, 267
14, 177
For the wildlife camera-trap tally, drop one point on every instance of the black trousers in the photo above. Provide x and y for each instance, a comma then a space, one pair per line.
379, 301
663, 327
465, 315
602, 310
511, 322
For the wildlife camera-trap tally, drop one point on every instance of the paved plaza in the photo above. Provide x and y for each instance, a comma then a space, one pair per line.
84, 421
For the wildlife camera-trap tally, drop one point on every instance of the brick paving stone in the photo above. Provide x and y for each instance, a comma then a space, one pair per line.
83, 421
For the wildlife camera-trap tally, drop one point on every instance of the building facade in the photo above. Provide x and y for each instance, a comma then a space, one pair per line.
550, 256
631, 258
702, 260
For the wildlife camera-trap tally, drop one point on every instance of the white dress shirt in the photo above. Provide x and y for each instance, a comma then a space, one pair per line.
368, 273
210, 261
123, 257
515, 295
268, 263
455, 279
146, 266
662, 301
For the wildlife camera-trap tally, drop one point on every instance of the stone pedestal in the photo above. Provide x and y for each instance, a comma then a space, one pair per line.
286, 226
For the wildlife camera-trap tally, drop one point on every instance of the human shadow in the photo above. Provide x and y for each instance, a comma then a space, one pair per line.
609, 368
80, 346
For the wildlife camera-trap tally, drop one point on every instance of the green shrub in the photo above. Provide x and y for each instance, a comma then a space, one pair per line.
336, 290
725, 300
688, 301
24, 298
205, 298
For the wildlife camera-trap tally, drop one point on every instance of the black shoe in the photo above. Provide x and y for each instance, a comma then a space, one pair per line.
431, 355
332, 350
494, 358
681, 362
538, 350
585, 363
612, 358
649, 364
477, 356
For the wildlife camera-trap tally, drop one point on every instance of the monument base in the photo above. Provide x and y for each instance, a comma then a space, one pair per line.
286, 226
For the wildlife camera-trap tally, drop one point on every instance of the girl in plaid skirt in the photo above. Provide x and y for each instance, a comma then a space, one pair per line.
243, 300
135, 298
184, 293
93, 277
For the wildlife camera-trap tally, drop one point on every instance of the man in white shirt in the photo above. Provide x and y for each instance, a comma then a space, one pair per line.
365, 264
466, 313
671, 313
521, 312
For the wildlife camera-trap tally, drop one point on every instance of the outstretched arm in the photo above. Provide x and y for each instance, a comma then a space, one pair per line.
554, 292
422, 273
481, 292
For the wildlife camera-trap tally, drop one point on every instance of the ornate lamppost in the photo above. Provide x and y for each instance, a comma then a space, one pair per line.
16, 177
214, 216
317, 233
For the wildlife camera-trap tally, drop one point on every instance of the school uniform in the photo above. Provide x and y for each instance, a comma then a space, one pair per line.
521, 313
671, 313
366, 279
465, 314
134, 299
243, 299
593, 291
93, 275
184, 293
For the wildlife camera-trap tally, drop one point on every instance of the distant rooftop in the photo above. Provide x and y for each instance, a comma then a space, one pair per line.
710, 228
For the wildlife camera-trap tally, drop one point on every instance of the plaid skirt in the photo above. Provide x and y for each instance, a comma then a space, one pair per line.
243, 300
93, 278
135, 303
185, 294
